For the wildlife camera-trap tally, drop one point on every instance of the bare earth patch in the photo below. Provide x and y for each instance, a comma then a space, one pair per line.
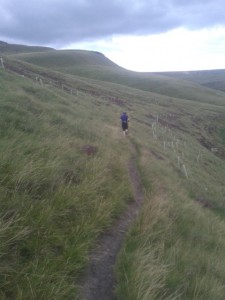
99, 281
89, 149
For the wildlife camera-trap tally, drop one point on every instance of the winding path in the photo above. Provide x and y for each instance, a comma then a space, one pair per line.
99, 282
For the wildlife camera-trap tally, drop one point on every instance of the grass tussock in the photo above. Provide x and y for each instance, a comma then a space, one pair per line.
169, 255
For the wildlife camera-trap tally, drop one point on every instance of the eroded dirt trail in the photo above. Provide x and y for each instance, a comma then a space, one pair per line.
100, 281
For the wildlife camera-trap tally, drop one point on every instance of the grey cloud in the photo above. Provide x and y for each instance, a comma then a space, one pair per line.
55, 22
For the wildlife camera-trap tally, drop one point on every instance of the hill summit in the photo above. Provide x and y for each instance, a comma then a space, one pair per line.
6, 48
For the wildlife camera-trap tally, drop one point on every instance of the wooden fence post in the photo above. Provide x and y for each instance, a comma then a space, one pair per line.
2, 63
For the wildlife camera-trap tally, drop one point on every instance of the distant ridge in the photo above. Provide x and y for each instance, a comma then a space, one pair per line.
214, 79
6, 48
194, 85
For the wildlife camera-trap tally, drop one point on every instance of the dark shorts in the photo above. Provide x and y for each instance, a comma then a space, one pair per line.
124, 125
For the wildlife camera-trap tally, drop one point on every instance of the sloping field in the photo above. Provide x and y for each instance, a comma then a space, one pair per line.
64, 180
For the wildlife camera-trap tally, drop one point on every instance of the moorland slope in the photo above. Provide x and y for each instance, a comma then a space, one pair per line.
64, 178
94, 65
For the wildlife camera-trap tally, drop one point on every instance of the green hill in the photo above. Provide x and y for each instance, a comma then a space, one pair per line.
64, 178
65, 59
96, 66
210, 78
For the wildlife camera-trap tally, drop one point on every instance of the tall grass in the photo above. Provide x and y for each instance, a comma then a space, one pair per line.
175, 250
56, 196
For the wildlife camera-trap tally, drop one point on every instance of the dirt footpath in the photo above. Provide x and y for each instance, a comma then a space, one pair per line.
100, 282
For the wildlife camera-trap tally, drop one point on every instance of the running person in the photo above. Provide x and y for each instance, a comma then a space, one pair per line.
124, 122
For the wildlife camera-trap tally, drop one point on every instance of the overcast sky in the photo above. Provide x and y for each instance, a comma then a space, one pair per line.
140, 35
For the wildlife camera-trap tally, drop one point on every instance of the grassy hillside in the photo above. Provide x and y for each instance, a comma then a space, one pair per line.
173, 251
96, 66
214, 79
64, 179
61, 185
66, 59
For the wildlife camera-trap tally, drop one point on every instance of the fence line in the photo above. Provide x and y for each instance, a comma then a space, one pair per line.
60, 85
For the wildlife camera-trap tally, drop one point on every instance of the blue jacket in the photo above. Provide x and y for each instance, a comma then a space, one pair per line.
124, 117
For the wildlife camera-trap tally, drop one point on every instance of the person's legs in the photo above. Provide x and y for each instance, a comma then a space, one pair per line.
125, 128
